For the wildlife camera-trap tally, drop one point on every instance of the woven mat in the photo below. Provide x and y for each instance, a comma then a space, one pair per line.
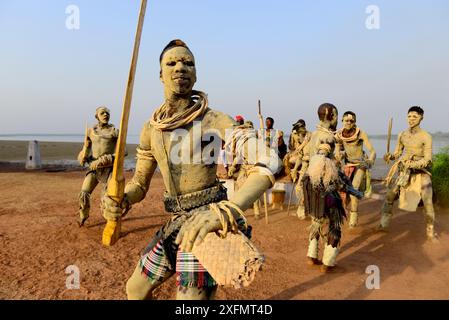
232, 261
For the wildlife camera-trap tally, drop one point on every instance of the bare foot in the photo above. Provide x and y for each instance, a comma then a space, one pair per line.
327, 269
81, 221
313, 261
380, 228
433, 238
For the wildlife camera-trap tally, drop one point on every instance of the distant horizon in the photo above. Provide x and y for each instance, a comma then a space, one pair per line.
137, 134
378, 141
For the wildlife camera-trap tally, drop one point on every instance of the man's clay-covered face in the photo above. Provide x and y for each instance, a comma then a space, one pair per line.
348, 122
178, 73
103, 116
414, 119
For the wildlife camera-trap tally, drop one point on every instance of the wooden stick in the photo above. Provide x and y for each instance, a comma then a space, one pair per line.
290, 199
260, 116
116, 185
390, 126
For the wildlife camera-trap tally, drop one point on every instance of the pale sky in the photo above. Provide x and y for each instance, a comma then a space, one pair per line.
293, 55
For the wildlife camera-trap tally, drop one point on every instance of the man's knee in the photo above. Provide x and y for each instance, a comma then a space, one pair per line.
89, 183
354, 203
139, 287
391, 196
427, 192
137, 290
429, 211
358, 178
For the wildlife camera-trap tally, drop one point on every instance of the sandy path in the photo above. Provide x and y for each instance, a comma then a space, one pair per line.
39, 238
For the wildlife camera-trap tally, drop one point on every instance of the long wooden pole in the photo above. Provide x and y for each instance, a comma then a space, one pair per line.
290, 199
390, 126
116, 185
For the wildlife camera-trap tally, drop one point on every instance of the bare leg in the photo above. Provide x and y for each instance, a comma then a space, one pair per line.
387, 208
300, 212
89, 184
140, 287
356, 182
427, 193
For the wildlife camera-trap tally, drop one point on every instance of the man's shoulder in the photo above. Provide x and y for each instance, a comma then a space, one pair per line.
363, 133
401, 133
421, 132
145, 135
218, 119
113, 129
147, 125
319, 135
426, 134
217, 114
96, 130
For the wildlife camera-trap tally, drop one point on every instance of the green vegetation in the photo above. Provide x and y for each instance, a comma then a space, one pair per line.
440, 176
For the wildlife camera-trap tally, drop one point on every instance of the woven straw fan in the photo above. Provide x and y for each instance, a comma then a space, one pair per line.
232, 261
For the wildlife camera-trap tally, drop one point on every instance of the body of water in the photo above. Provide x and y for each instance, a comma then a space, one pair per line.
380, 144
131, 139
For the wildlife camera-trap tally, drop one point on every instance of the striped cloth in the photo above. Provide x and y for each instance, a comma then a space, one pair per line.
190, 272
154, 263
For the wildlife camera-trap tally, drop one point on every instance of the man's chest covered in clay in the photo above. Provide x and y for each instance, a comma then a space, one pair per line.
414, 143
189, 154
353, 149
103, 142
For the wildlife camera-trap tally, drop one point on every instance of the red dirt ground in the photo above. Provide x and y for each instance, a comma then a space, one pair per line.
39, 238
